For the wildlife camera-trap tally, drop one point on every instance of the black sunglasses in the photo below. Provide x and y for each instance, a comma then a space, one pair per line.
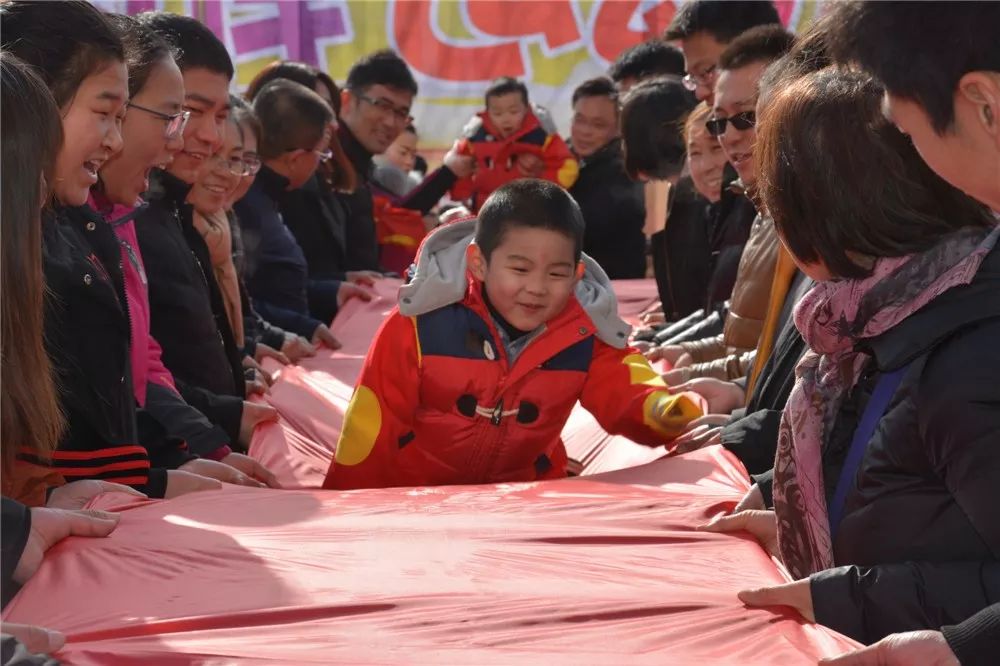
741, 121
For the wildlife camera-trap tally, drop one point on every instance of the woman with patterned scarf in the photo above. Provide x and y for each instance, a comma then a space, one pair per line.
887, 473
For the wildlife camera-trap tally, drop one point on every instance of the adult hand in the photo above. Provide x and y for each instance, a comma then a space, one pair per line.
260, 374
37, 640
50, 526
685, 360
220, 471
255, 387
643, 347
927, 648
348, 291
722, 396
676, 377
761, 524
76, 495
530, 166
653, 318
297, 348
702, 432
461, 165
252, 469
323, 336
798, 595
180, 483
262, 351
254, 413
668, 353
752, 501
363, 278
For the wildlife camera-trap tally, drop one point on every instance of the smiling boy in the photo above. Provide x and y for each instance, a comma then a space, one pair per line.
504, 327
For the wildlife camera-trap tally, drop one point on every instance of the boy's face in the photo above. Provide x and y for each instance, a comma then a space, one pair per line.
967, 155
701, 56
736, 92
507, 112
403, 151
206, 96
530, 276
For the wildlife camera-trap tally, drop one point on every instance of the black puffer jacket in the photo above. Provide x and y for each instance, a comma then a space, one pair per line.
920, 527
318, 220
614, 212
187, 314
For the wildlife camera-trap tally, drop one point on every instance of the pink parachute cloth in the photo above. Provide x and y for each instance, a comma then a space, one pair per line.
313, 396
600, 569
606, 569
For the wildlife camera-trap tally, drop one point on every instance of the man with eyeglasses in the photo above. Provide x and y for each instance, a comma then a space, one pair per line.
704, 28
376, 109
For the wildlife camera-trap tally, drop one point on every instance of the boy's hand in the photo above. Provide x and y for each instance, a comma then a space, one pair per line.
461, 164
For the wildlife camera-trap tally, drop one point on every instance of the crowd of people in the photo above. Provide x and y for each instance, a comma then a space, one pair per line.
818, 211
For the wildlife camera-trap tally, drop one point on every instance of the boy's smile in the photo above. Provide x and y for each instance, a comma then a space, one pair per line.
530, 276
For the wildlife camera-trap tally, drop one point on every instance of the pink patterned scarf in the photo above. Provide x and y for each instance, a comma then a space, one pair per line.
832, 318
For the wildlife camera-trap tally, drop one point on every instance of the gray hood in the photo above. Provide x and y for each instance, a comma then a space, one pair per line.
439, 279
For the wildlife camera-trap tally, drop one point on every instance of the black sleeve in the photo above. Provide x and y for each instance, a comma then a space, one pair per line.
289, 320
429, 192
976, 641
753, 439
183, 422
225, 411
16, 525
765, 483
869, 603
156, 485
14, 653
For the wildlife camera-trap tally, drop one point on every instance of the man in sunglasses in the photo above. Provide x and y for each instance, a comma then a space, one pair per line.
376, 108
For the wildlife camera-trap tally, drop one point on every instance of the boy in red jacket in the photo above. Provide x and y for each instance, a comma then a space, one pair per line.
509, 142
504, 327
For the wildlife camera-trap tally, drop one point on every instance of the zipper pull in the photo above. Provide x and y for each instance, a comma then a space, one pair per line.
497, 413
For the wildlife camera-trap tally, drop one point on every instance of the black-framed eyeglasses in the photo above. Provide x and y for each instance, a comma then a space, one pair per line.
176, 122
741, 121
385, 106
706, 78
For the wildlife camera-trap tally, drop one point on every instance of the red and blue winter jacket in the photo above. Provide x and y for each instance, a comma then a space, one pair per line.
440, 402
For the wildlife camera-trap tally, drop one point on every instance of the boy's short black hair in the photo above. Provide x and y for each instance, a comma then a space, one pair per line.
653, 57
600, 86
384, 68
919, 50
292, 117
652, 127
533, 203
197, 47
506, 85
724, 21
764, 43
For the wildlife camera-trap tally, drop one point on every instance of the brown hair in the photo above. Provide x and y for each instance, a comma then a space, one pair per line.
32, 136
842, 183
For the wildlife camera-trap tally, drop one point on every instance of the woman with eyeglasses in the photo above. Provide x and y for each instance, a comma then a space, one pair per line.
152, 132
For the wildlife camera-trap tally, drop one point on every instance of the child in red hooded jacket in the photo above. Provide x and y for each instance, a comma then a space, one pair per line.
503, 328
509, 142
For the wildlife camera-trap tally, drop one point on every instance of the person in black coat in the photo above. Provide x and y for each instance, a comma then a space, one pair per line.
612, 203
886, 474
379, 93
